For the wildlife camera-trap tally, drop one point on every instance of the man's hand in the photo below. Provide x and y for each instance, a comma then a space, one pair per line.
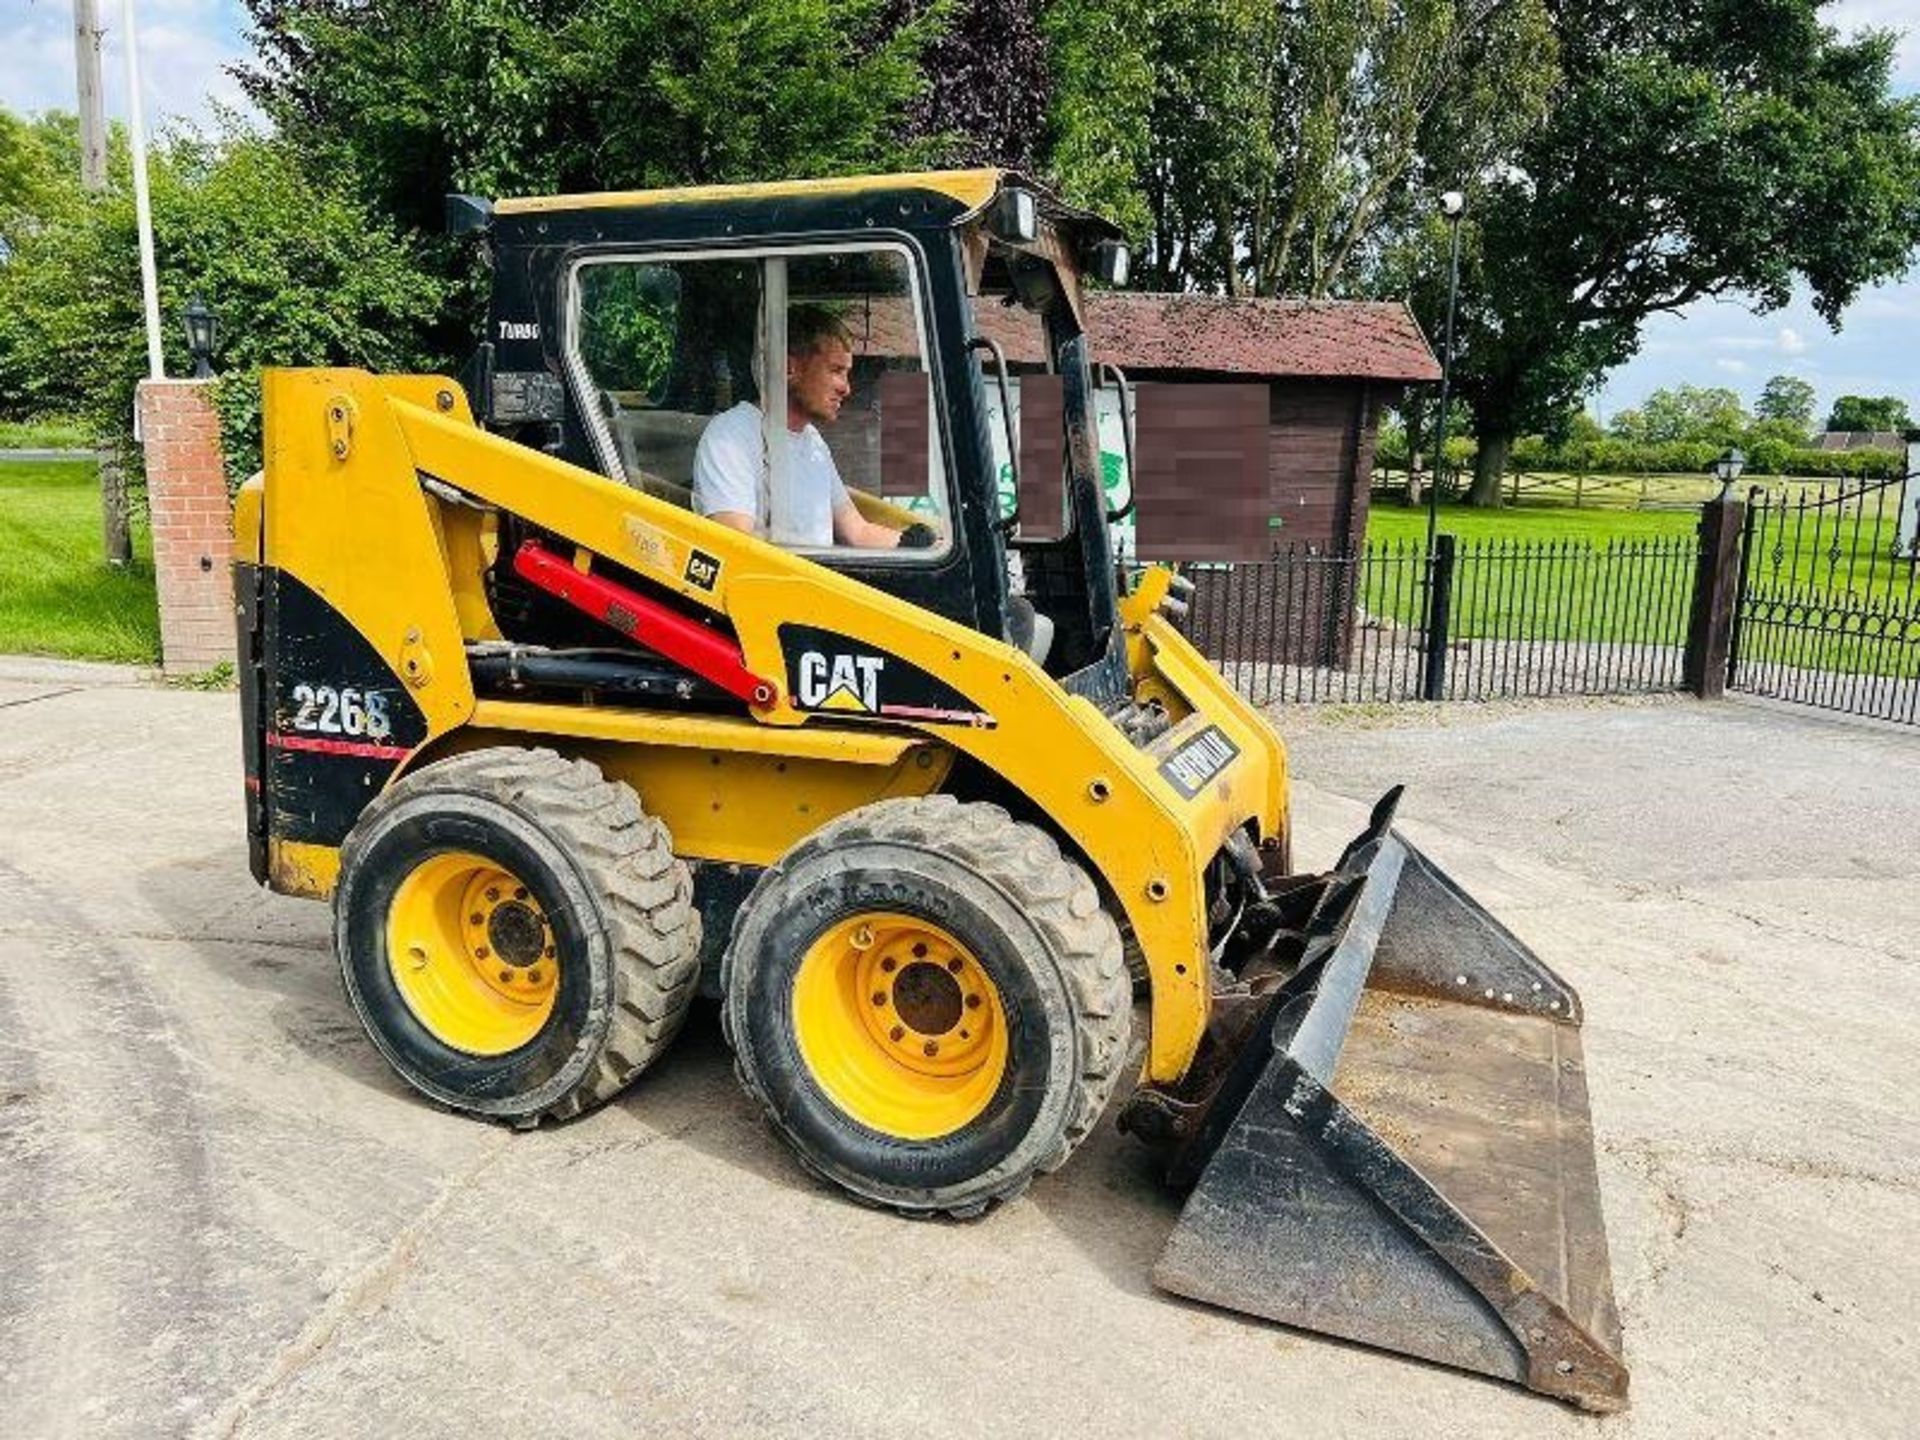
850, 527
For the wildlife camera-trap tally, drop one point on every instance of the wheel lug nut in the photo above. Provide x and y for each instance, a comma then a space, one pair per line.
533, 977
506, 977
973, 1002
481, 951
887, 964
493, 893
476, 918
955, 965
550, 952
930, 1049
520, 892
897, 1033
879, 997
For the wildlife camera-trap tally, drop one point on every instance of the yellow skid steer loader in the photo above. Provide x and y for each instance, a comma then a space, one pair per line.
689, 643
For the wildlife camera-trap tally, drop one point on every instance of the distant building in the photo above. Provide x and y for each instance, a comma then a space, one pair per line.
1837, 440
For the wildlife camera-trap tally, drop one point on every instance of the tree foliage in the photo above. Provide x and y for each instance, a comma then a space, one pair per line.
1789, 400
38, 158
298, 272
1685, 413
988, 82
1265, 148
1719, 148
1881, 413
417, 98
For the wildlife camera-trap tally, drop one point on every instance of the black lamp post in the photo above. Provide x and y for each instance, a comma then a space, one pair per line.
202, 327
1728, 469
1453, 205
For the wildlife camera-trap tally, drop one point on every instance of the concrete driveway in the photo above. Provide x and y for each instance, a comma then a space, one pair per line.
219, 1214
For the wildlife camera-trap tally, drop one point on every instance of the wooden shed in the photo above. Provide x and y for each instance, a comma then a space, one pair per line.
1210, 370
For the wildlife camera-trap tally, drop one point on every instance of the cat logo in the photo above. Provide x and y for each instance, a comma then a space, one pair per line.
840, 682
702, 570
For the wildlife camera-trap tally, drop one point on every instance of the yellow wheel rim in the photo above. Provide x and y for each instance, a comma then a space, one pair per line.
472, 953
899, 1023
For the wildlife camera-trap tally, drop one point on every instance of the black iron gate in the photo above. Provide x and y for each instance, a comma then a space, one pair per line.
1829, 599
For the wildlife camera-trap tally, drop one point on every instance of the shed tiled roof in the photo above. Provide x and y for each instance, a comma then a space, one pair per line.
1212, 334
1862, 440
1201, 334
1356, 339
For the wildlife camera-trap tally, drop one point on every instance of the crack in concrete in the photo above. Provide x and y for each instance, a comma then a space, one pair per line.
360, 1296
31, 699
1799, 1167
1776, 927
169, 937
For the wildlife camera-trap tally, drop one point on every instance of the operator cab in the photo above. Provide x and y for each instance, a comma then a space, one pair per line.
652, 337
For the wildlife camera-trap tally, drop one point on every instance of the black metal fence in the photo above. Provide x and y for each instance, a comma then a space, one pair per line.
1478, 620
1810, 596
1829, 600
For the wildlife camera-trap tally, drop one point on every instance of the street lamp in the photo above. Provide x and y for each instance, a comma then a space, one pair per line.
201, 329
1728, 468
1453, 205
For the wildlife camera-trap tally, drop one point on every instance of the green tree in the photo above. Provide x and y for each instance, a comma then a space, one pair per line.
1880, 413
39, 160
1720, 148
1688, 413
1266, 148
505, 97
299, 273
1790, 399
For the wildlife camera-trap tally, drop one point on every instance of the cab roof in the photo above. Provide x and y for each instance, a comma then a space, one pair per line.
972, 188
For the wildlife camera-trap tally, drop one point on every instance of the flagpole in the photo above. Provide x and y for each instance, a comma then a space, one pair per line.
142, 206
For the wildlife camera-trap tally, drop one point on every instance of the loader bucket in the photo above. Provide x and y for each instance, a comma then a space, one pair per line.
1401, 1154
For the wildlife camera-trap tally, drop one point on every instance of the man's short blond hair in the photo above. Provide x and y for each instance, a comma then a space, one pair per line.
811, 326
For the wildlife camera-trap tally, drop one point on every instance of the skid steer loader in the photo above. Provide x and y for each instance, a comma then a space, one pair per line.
558, 685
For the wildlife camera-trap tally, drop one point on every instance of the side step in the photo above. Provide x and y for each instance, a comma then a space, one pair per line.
1403, 1156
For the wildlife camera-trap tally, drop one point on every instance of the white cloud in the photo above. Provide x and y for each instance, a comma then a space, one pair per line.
1849, 16
185, 47
1733, 367
1792, 342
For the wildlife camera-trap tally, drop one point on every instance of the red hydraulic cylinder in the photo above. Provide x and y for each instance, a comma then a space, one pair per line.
665, 631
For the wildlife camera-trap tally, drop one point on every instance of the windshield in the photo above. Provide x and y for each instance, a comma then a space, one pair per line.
1025, 307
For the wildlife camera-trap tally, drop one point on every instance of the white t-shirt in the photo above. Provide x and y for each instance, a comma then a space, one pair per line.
730, 467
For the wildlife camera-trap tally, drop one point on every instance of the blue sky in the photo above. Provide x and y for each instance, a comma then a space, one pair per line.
185, 43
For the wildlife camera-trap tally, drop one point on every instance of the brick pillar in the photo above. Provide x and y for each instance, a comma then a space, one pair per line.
192, 524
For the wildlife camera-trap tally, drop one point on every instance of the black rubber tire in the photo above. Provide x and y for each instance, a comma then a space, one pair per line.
1030, 916
618, 900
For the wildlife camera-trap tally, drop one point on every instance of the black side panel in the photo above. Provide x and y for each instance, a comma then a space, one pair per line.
338, 723
839, 675
720, 888
247, 583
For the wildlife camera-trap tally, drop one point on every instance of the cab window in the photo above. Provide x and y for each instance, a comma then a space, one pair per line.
674, 359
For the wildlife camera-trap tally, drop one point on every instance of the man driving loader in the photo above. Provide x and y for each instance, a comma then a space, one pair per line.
730, 467
562, 752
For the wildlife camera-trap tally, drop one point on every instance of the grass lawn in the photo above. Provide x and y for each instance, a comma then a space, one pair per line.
1389, 520
57, 596
43, 435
